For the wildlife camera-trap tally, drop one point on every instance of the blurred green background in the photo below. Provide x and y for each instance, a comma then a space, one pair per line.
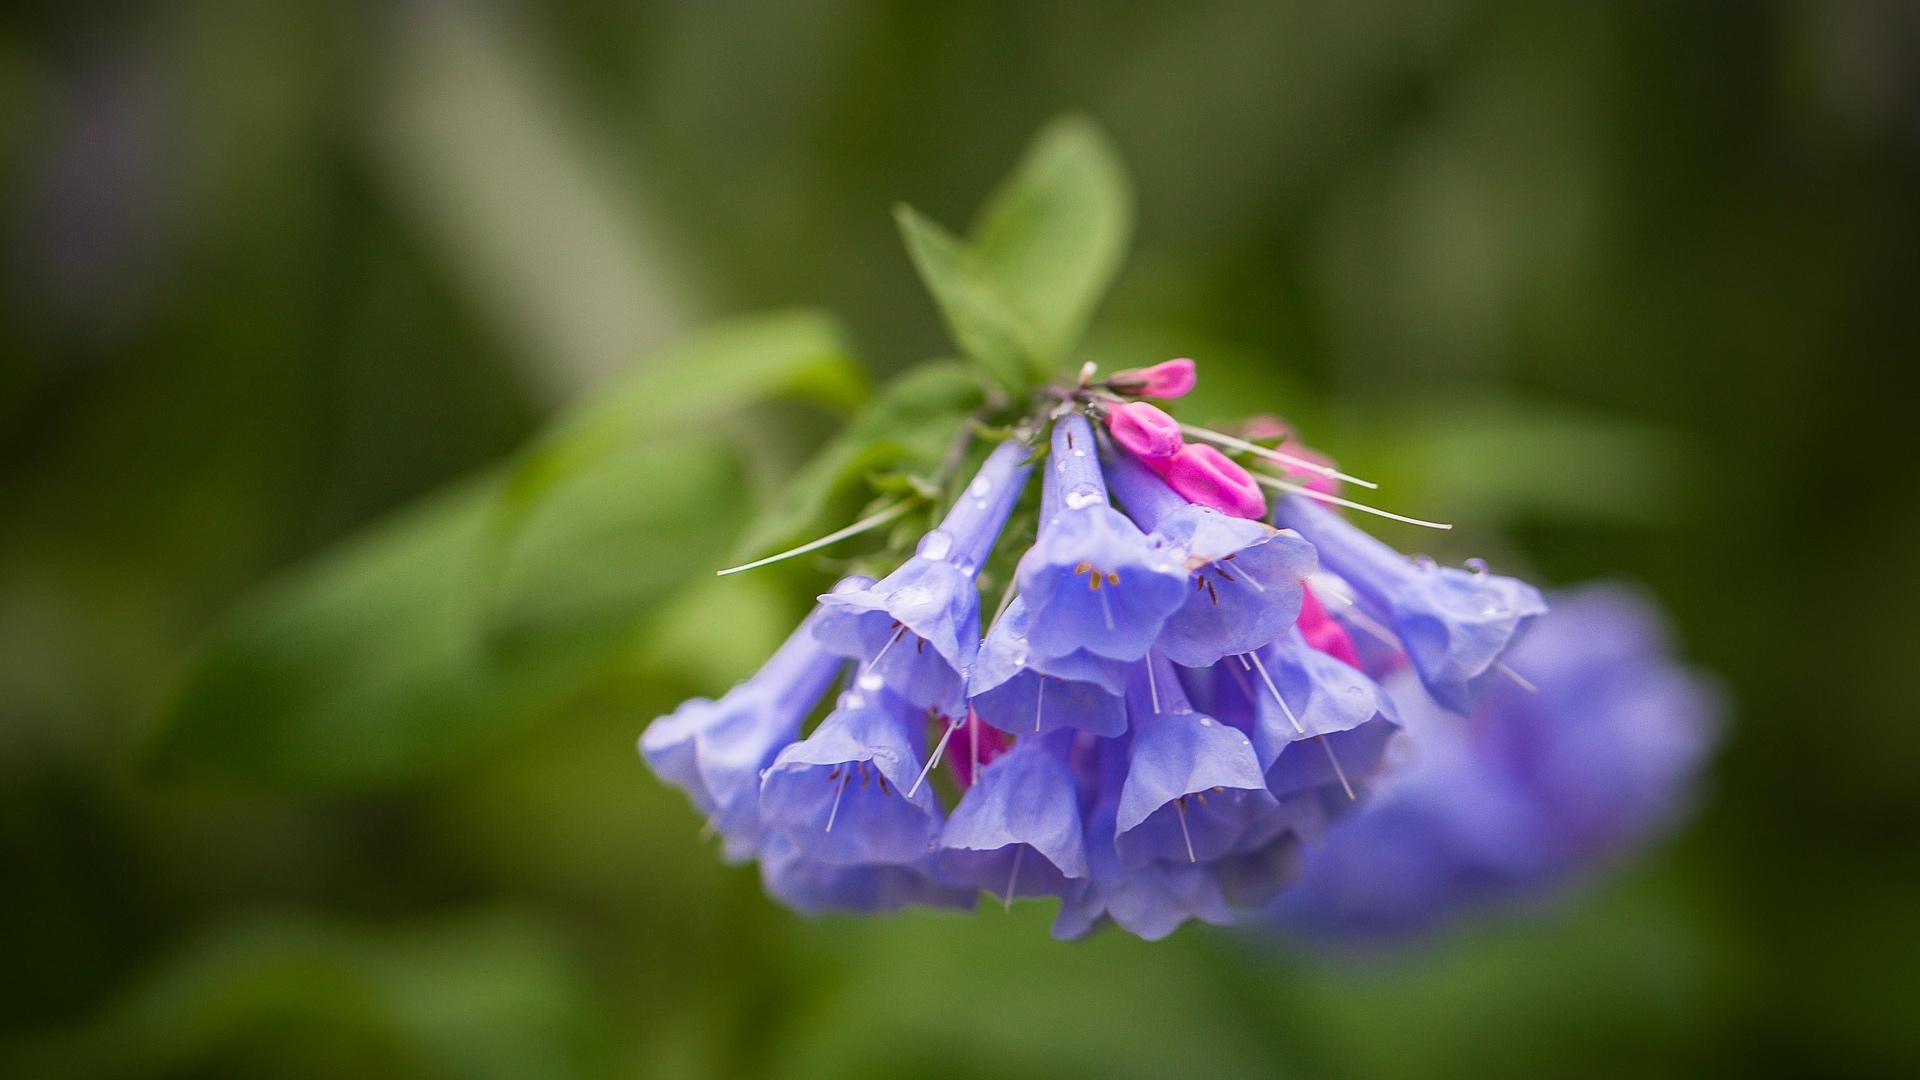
1622, 288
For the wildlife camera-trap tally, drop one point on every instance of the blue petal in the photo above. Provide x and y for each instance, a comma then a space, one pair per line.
1332, 715
1150, 901
839, 796
1017, 832
1533, 790
919, 627
1453, 624
815, 888
715, 751
1246, 576
1194, 789
1092, 579
1021, 692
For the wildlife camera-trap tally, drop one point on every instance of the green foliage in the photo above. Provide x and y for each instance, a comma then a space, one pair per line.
895, 440
1018, 296
490, 994
438, 629
1054, 234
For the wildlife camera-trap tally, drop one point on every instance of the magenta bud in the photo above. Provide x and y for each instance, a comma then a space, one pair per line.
1168, 379
1145, 431
1207, 477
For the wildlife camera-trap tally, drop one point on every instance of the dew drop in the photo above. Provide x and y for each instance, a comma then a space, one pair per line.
1478, 566
935, 545
1424, 562
1081, 499
980, 487
871, 681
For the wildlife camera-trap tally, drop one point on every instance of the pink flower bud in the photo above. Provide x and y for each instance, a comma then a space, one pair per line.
1168, 379
991, 741
1266, 426
1323, 633
1207, 477
1143, 429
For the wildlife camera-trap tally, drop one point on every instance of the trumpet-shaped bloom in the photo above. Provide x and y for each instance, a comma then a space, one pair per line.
1165, 724
1315, 721
839, 796
1149, 901
919, 627
1194, 789
1246, 576
1018, 832
1024, 692
1453, 624
1092, 580
714, 750
815, 887
1533, 791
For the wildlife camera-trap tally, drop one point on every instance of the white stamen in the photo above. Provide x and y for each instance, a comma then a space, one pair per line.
1518, 680
1271, 454
932, 759
871, 521
837, 792
1338, 772
1153, 687
1362, 620
883, 650
1319, 496
1180, 808
1006, 902
1106, 605
1039, 700
973, 759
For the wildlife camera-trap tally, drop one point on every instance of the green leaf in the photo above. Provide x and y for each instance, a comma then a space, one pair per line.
1017, 298
1056, 231
798, 353
451, 622
982, 317
905, 430
605, 548
486, 994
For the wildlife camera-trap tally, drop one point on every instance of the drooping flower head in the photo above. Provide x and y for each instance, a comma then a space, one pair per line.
1535, 790
1173, 706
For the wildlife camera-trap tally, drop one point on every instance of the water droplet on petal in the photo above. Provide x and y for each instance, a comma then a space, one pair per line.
871, 681
980, 487
1424, 562
935, 545
1082, 498
1478, 566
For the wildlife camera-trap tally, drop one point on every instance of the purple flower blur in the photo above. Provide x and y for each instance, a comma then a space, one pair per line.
1534, 792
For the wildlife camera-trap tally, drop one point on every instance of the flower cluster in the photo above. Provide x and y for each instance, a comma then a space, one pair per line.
1534, 790
1177, 693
